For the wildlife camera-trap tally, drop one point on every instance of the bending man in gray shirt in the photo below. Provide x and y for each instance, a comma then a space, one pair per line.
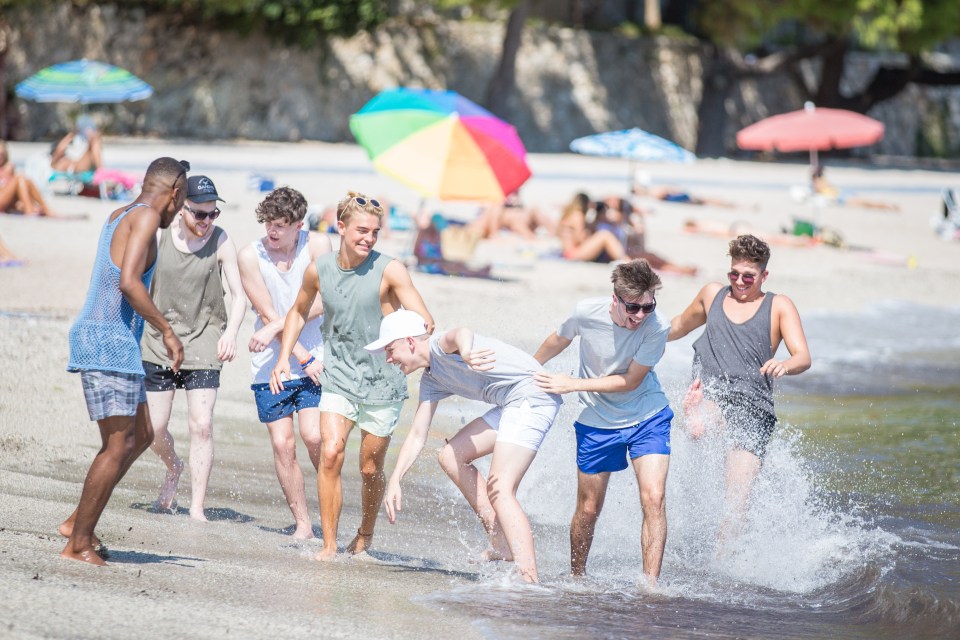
460, 363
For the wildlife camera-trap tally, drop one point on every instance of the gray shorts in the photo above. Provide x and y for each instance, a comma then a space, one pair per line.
109, 393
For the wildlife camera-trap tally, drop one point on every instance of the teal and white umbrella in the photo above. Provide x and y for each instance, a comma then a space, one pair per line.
634, 144
84, 82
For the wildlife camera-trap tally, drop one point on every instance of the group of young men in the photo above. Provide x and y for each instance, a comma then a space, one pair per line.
336, 334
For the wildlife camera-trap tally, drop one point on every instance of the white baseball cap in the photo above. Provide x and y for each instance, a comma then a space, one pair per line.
396, 325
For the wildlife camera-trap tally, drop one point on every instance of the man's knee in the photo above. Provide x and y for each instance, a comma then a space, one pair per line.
331, 456
588, 510
450, 462
653, 501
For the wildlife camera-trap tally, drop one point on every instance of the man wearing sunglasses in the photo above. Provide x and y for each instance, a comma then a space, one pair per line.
625, 413
105, 345
195, 259
735, 365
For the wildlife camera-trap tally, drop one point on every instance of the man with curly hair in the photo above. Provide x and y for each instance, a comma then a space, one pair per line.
271, 270
734, 365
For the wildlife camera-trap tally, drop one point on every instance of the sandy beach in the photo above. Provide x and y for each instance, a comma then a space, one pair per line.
239, 575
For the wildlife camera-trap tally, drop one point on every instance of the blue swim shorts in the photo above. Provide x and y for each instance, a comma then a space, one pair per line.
298, 394
604, 450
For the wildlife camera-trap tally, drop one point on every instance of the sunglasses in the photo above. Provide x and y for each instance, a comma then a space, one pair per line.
203, 215
748, 278
363, 202
184, 167
636, 307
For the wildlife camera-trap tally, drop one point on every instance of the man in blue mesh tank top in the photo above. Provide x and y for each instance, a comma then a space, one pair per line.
105, 345
734, 366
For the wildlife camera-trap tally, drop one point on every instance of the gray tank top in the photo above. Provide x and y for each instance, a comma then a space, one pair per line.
351, 319
188, 289
728, 356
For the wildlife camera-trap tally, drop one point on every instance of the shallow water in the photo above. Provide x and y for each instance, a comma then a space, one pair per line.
853, 529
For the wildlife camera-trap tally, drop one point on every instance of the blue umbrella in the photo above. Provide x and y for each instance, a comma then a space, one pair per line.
633, 144
83, 81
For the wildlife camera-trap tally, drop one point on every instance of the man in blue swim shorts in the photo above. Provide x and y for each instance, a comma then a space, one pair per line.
625, 412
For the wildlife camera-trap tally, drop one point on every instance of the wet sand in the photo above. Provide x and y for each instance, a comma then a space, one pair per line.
239, 574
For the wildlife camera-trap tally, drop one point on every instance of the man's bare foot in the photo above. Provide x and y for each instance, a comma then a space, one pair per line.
168, 490
360, 543
493, 555
66, 530
197, 514
326, 554
303, 532
88, 555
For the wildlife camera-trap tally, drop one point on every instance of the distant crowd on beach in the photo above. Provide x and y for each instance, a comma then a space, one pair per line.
338, 330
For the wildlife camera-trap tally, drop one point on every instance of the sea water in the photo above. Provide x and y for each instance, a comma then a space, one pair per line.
852, 529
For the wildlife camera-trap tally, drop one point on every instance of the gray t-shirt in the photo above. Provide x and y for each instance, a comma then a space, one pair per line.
509, 383
607, 349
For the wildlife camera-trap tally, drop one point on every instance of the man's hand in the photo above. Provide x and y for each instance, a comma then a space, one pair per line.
262, 338
174, 349
279, 375
555, 382
226, 348
391, 500
773, 368
313, 370
479, 360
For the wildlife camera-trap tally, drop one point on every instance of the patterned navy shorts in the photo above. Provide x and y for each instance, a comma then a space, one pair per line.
109, 393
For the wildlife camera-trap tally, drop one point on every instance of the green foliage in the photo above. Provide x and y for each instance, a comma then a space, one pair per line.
911, 26
300, 21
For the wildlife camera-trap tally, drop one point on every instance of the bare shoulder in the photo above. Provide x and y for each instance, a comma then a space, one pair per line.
708, 292
784, 305
318, 244
396, 272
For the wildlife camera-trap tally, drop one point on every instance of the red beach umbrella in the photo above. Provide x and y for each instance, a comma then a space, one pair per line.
811, 129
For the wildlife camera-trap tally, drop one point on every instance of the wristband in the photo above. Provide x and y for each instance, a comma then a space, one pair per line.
306, 363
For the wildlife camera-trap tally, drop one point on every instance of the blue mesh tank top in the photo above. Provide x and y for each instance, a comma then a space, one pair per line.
106, 334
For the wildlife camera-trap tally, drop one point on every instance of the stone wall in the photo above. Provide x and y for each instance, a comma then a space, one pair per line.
220, 85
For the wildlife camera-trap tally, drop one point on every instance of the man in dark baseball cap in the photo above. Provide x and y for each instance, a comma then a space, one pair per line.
202, 189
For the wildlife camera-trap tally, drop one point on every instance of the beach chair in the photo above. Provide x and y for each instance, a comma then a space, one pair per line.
947, 224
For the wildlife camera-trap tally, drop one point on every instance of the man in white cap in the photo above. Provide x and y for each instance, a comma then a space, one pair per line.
458, 362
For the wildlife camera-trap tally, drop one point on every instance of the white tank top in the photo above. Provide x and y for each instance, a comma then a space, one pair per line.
284, 287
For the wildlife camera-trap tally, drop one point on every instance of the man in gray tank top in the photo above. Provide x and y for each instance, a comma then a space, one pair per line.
734, 366
460, 363
358, 286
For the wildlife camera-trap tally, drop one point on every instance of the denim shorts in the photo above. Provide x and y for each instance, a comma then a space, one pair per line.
298, 394
109, 393
160, 378
603, 450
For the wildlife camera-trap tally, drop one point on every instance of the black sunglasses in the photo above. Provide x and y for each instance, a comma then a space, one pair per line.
203, 215
636, 307
184, 167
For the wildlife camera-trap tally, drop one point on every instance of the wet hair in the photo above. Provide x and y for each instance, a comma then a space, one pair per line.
750, 248
283, 203
349, 206
166, 172
633, 279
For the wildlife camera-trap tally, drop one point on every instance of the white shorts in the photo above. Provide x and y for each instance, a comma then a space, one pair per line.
378, 419
522, 425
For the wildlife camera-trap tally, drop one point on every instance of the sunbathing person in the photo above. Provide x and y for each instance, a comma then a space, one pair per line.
627, 223
79, 151
642, 186
428, 250
720, 230
18, 193
821, 187
7, 257
513, 216
580, 242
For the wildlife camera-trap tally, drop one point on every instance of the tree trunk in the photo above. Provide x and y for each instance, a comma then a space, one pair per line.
651, 15
718, 78
832, 63
4, 45
502, 83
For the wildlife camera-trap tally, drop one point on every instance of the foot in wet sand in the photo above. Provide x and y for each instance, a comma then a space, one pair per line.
326, 554
493, 555
360, 543
88, 555
303, 532
66, 530
168, 490
197, 514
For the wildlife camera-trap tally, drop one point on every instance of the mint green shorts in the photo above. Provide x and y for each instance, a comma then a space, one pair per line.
378, 419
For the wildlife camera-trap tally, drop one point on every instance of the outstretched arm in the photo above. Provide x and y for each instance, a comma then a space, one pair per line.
562, 383
293, 325
412, 446
787, 318
694, 315
400, 285
552, 346
227, 256
460, 340
143, 226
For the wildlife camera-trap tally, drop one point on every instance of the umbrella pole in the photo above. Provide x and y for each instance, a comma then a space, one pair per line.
632, 170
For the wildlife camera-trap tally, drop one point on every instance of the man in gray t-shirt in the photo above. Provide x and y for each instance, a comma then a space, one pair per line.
477, 368
625, 412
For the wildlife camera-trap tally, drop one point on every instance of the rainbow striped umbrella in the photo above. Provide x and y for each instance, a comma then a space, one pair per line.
441, 144
83, 81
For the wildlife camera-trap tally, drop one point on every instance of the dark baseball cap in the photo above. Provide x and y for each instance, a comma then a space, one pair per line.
202, 189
